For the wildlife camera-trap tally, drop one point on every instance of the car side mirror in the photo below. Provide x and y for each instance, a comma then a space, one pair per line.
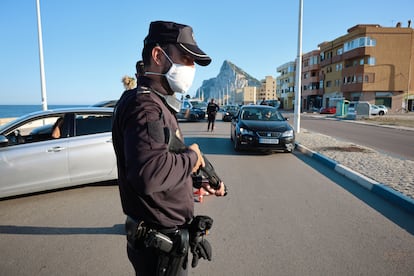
3, 141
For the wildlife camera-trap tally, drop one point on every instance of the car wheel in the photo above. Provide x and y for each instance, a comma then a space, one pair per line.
236, 144
381, 113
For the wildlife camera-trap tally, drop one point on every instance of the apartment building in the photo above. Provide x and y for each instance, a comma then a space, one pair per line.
312, 86
267, 89
370, 63
285, 84
249, 94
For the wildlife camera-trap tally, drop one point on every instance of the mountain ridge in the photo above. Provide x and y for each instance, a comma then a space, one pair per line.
230, 79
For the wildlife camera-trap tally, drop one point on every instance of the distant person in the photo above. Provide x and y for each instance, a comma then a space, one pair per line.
268, 115
129, 82
140, 70
212, 109
263, 102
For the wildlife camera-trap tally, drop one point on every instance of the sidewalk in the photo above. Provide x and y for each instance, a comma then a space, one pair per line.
386, 176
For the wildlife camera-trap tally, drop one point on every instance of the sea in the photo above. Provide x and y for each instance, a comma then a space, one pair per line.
14, 111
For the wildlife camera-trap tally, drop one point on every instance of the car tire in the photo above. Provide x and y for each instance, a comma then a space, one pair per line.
381, 113
236, 144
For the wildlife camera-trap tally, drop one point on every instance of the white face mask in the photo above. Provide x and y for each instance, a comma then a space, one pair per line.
180, 77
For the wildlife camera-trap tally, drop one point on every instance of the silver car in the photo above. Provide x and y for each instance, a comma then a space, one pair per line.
53, 149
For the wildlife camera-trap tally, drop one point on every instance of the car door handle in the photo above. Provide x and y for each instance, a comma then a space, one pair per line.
109, 141
55, 149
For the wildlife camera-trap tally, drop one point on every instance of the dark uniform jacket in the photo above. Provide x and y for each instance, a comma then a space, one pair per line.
212, 108
155, 185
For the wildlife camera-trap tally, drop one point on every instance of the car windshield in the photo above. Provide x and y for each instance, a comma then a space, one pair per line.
261, 114
200, 105
233, 108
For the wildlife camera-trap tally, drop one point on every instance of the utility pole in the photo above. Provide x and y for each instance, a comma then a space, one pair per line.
298, 73
42, 69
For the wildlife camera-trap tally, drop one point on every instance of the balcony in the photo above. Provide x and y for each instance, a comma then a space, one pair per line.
325, 62
352, 87
355, 53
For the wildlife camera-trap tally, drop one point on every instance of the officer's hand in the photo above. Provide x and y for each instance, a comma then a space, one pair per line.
219, 192
200, 159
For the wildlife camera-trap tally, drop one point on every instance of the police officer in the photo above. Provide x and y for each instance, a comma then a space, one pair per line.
212, 109
155, 184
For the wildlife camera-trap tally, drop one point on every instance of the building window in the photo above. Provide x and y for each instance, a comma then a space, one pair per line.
371, 61
328, 83
313, 60
359, 42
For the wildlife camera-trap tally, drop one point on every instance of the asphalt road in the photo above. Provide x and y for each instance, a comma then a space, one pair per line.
393, 141
285, 214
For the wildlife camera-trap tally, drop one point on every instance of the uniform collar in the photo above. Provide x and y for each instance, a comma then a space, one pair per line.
155, 85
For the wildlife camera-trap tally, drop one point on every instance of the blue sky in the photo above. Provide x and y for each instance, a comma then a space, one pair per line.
89, 45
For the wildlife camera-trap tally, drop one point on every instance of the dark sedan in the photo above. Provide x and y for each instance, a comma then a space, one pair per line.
230, 112
263, 128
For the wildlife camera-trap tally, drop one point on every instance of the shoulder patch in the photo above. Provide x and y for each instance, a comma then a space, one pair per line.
143, 91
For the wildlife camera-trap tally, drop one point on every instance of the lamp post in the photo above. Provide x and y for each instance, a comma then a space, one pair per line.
298, 73
42, 69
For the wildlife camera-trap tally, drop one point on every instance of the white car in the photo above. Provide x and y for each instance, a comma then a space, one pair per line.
31, 160
378, 110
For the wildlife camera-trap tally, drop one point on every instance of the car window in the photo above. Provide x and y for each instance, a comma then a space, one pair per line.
33, 131
92, 123
250, 114
186, 105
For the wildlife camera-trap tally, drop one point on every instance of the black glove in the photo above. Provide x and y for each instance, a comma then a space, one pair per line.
201, 249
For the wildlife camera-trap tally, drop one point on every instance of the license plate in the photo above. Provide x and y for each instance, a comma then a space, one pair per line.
268, 141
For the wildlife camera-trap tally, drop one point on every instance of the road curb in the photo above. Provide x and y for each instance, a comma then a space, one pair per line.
374, 186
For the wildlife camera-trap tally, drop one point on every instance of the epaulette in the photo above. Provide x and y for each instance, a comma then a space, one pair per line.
143, 90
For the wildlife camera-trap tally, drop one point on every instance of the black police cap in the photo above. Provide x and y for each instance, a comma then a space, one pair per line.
164, 32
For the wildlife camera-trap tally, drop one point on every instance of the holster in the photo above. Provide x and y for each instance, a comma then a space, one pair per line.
171, 245
170, 263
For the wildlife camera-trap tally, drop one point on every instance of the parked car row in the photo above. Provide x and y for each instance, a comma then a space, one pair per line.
363, 109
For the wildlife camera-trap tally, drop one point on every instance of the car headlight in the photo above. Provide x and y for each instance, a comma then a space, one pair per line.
245, 131
287, 133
